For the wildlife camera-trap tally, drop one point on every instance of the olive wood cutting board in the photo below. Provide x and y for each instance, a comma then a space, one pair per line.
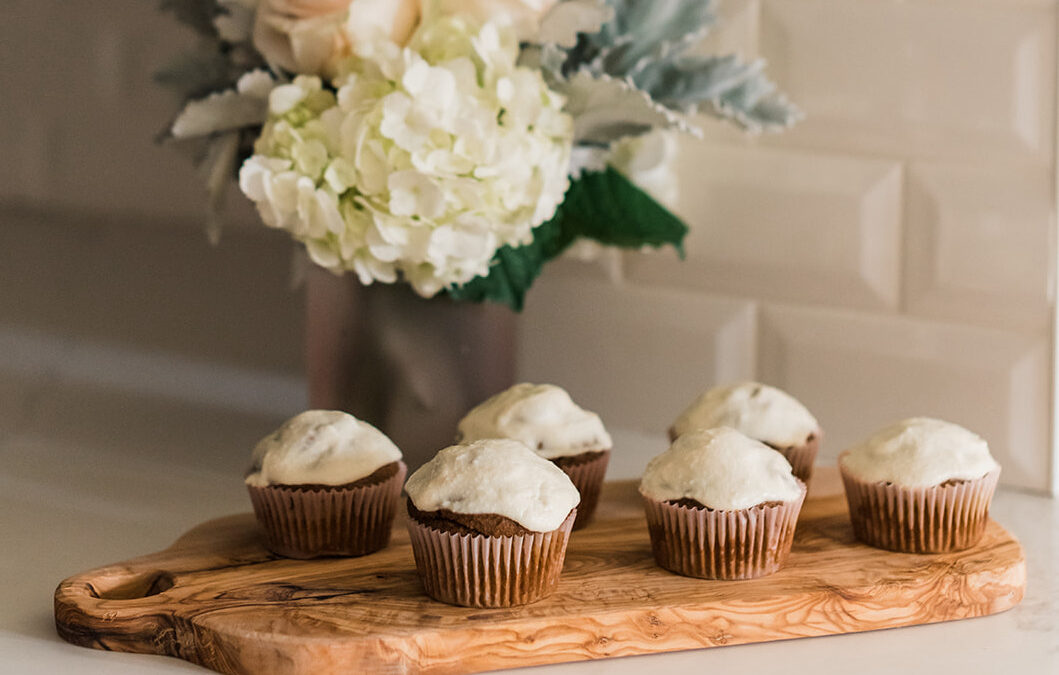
218, 598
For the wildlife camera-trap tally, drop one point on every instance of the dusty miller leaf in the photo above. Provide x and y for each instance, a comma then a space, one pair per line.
196, 74
648, 30
734, 89
647, 43
565, 20
197, 14
235, 23
224, 111
606, 109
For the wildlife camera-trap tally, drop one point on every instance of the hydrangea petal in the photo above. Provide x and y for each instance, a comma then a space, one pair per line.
426, 161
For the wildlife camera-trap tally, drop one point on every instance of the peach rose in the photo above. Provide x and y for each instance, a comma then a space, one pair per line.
306, 9
311, 36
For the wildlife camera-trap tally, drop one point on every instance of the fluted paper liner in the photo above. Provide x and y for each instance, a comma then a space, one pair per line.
312, 522
800, 457
716, 544
480, 571
587, 477
933, 519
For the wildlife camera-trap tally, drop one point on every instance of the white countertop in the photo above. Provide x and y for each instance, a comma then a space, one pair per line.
92, 477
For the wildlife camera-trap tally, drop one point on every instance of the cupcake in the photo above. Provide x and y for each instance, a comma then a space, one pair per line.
721, 505
489, 522
544, 417
920, 486
325, 484
763, 413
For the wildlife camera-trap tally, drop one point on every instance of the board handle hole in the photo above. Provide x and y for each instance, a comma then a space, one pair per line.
132, 585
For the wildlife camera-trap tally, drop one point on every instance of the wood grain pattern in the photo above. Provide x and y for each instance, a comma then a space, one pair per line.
219, 599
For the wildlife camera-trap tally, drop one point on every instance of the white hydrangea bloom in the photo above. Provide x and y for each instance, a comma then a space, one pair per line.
429, 159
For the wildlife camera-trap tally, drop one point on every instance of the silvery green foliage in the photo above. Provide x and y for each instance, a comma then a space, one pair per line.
220, 57
243, 106
219, 121
645, 31
605, 108
566, 20
645, 44
196, 14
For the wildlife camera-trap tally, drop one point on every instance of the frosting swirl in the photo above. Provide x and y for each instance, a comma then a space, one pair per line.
495, 476
764, 413
722, 469
543, 416
919, 452
320, 447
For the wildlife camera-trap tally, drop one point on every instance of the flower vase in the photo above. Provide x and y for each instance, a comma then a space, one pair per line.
409, 365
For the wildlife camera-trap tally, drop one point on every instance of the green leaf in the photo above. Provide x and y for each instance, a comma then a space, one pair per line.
514, 268
608, 207
604, 206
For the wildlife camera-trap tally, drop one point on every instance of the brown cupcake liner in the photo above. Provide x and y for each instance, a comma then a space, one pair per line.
480, 571
317, 521
947, 517
801, 457
587, 477
715, 544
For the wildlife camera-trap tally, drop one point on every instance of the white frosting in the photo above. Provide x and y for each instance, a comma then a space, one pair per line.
763, 413
497, 476
324, 447
919, 452
722, 469
543, 416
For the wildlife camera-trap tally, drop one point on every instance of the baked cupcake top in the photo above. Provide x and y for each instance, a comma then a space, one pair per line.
764, 413
919, 452
495, 476
722, 469
543, 416
320, 447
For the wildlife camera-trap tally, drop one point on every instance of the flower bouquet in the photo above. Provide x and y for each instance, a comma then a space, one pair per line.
455, 145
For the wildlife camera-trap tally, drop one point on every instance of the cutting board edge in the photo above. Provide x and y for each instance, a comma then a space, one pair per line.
485, 660
168, 634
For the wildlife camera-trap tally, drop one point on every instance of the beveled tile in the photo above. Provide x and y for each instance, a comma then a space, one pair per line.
979, 244
859, 372
635, 355
785, 225
967, 79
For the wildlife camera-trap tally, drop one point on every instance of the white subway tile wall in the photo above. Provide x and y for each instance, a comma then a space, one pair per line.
859, 371
637, 355
968, 79
786, 225
893, 254
736, 30
900, 242
979, 244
